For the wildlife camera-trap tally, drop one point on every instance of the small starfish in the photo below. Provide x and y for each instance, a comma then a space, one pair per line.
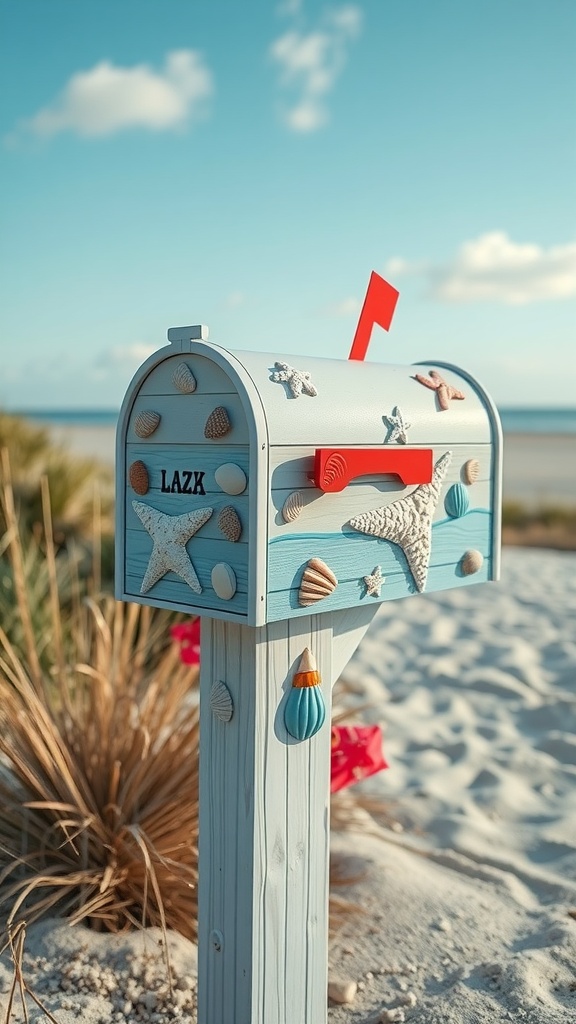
399, 427
407, 522
437, 383
374, 582
170, 535
297, 380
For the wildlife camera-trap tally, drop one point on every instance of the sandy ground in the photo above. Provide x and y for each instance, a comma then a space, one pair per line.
469, 896
538, 469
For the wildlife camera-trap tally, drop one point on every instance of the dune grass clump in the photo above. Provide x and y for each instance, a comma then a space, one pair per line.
98, 757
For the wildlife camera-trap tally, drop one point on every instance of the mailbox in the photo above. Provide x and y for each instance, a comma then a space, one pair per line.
259, 487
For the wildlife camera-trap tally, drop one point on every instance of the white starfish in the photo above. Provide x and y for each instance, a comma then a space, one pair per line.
399, 427
408, 522
170, 535
297, 380
374, 582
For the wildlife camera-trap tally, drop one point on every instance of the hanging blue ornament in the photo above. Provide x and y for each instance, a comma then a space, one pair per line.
305, 711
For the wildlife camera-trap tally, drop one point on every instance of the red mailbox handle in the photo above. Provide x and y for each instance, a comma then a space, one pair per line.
334, 468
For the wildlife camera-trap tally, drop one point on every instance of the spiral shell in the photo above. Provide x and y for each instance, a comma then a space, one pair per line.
471, 562
335, 468
229, 523
471, 471
138, 476
318, 581
224, 581
184, 379
457, 501
217, 424
292, 507
146, 422
221, 703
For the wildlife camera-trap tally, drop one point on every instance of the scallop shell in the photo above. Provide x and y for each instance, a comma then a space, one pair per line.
138, 476
334, 468
229, 523
292, 507
221, 703
471, 562
146, 422
457, 501
231, 478
217, 424
224, 581
471, 471
318, 581
184, 379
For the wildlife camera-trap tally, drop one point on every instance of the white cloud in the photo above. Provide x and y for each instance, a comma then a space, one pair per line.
108, 99
493, 268
347, 307
130, 354
235, 299
310, 64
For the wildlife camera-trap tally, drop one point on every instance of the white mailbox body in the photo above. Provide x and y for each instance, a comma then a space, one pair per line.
254, 482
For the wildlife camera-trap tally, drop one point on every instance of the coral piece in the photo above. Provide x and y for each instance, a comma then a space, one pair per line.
457, 501
374, 582
146, 422
217, 424
305, 711
444, 391
471, 471
138, 476
292, 507
170, 535
318, 581
408, 522
229, 523
224, 581
230, 478
298, 381
221, 703
398, 427
184, 379
471, 562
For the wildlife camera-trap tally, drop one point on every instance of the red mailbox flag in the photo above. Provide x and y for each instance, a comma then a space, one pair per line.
378, 308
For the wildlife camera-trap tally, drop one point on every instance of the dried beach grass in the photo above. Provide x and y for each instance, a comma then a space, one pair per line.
98, 761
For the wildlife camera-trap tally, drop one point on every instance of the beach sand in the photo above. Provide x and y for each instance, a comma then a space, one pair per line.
468, 884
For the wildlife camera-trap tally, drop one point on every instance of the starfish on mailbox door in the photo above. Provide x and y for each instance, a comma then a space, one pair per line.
437, 383
170, 535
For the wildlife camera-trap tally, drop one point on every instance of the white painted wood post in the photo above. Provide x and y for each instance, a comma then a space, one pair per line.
264, 830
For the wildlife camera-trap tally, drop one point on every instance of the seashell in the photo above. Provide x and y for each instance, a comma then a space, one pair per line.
229, 523
224, 580
457, 501
471, 562
334, 468
305, 710
138, 476
217, 424
146, 422
292, 507
471, 471
184, 379
230, 478
318, 581
221, 703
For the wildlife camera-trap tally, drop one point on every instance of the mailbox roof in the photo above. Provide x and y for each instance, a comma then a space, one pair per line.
354, 399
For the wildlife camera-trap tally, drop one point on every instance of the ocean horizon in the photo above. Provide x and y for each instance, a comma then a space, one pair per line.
515, 420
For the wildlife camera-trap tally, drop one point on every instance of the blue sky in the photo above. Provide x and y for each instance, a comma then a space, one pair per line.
246, 165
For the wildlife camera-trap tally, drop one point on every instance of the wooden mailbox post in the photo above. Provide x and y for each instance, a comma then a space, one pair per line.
282, 498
